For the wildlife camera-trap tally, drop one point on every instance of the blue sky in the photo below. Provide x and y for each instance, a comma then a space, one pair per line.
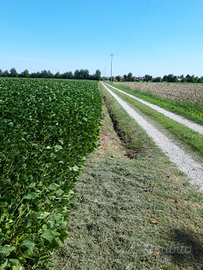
155, 37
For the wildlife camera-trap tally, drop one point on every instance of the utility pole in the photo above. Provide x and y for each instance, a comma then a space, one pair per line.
111, 64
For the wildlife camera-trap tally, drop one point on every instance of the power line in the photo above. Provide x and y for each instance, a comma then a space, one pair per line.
137, 23
142, 28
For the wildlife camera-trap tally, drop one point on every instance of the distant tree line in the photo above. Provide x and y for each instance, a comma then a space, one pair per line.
166, 78
82, 74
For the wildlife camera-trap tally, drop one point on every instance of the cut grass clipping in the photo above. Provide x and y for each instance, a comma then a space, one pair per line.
133, 213
192, 140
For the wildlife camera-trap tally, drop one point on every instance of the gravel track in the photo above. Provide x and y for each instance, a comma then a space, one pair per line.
184, 161
177, 118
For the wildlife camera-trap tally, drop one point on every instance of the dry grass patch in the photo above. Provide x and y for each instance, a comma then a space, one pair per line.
181, 91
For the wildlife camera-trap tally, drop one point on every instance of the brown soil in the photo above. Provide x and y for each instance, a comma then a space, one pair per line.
109, 142
193, 92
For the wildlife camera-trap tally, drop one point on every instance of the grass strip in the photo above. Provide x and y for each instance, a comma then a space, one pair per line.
133, 213
192, 140
188, 109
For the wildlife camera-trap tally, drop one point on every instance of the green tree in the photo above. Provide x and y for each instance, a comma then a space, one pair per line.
57, 75
147, 78
157, 79
118, 78
65, 75
130, 76
98, 75
35, 75
172, 78
13, 72
86, 74
49, 74
25, 73
190, 79
77, 74
70, 75
44, 74
5, 73
183, 80
82, 74
199, 80
125, 77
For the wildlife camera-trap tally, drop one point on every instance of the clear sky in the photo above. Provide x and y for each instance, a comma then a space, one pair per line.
155, 37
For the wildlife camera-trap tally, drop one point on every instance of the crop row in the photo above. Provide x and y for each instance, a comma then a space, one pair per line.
47, 129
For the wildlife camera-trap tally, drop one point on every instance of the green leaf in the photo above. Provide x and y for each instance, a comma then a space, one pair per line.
63, 234
15, 262
58, 147
47, 235
49, 264
32, 185
5, 250
18, 267
44, 257
59, 192
3, 266
55, 244
53, 186
75, 168
44, 215
32, 195
50, 238
27, 247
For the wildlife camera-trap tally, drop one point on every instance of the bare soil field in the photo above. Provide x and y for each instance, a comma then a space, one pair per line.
180, 91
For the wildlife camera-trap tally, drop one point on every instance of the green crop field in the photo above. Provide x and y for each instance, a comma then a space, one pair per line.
47, 128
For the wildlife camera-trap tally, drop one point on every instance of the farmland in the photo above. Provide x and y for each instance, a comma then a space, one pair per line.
181, 104
47, 129
180, 91
132, 205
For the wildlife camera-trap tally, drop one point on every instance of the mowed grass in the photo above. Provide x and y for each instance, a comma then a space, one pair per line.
186, 108
132, 213
191, 140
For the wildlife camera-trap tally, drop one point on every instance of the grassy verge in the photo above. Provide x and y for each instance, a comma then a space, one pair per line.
129, 213
188, 109
192, 140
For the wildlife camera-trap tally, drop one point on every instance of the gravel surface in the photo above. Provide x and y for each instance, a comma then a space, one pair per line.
177, 118
184, 161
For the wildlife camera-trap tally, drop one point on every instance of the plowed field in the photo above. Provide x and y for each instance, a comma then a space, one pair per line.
193, 92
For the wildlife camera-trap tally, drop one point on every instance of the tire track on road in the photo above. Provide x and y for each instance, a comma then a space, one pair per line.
184, 161
177, 118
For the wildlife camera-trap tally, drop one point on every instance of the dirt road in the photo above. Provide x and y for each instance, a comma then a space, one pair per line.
177, 118
177, 155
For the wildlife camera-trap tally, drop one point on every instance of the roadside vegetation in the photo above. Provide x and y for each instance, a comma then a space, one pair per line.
180, 104
191, 140
133, 208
